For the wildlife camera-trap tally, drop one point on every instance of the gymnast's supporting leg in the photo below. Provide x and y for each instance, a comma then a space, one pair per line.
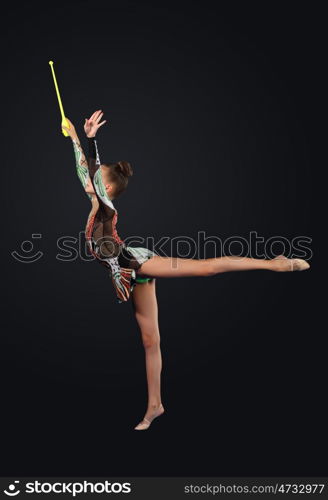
146, 313
173, 267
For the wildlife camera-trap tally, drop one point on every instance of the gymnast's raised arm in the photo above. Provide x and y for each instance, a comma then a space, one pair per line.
91, 127
81, 164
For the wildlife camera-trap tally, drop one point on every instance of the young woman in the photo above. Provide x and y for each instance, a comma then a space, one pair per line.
136, 269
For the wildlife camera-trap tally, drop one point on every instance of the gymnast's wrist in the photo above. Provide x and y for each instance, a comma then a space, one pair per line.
91, 136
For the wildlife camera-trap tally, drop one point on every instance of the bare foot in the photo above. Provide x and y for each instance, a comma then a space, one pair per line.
282, 264
151, 414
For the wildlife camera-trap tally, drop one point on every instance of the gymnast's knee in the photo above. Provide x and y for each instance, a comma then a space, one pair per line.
149, 331
206, 268
151, 340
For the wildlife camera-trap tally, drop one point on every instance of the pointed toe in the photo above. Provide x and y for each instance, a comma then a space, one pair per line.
300, 265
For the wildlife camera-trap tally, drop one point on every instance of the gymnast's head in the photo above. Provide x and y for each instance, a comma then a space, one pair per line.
115, 177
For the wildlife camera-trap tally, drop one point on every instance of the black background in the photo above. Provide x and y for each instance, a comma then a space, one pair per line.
216, 109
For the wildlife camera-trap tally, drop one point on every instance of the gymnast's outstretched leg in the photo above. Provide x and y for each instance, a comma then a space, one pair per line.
174, 267
146, 313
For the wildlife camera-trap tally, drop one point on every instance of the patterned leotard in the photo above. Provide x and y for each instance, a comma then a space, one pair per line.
101, 235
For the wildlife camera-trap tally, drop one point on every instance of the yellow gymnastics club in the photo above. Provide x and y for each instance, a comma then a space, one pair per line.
64, 121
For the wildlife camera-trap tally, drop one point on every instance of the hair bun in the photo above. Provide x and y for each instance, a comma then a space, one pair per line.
125, 168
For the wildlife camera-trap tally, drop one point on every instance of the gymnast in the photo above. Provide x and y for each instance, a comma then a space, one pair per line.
134, 270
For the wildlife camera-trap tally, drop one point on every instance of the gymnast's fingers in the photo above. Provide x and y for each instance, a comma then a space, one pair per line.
99, 117
100, 124
92, 116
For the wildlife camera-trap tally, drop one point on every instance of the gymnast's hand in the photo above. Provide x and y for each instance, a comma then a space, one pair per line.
91, 126
71, 130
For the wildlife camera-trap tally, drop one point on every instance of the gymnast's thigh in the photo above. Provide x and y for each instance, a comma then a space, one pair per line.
144, 300
172, 267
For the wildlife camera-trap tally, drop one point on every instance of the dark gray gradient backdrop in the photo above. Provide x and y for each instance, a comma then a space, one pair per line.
214, 110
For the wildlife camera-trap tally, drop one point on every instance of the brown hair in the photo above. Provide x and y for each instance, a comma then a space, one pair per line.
118, 173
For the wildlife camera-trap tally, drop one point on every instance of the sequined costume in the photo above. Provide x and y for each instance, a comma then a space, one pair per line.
101, 235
